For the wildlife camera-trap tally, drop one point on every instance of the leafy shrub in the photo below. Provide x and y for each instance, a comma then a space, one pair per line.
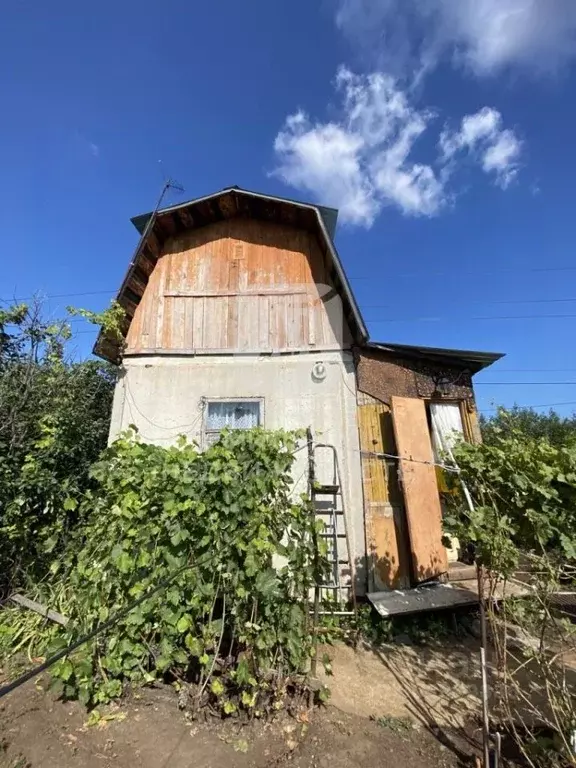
234, 622
524, 492
555, 429
524, 497
54, 420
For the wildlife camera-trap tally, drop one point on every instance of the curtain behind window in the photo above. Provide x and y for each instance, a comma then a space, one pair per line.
234, 415
447, 427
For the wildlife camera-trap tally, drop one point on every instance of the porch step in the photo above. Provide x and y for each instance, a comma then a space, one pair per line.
461, 572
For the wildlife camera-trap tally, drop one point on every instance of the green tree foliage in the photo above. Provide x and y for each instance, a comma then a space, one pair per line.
523, 525
557, 430
234, 622
524, 494
54, 420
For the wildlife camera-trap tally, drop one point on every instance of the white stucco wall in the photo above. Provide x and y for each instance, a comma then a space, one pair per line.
163, 396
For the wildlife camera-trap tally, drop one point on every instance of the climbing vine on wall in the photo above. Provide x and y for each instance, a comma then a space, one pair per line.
232, 630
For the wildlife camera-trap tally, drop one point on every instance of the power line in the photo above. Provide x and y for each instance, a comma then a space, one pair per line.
536, 370
474, 272
56, 295
480, 301
520, 383
461, 318
365, 306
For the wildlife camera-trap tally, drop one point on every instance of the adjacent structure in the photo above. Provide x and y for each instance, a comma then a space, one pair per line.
239, 314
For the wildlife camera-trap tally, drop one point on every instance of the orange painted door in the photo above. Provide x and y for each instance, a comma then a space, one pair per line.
419, 488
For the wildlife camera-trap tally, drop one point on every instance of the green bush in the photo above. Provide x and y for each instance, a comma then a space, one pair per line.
524, 493
54, 420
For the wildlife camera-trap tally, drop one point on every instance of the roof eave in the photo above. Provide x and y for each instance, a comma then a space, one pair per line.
474, 360
145, 223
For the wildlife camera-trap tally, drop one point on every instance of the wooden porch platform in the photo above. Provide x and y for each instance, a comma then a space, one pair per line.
461, 590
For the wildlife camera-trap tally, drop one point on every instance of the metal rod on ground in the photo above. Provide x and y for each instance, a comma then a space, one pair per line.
484, 669
497, 749
484, 635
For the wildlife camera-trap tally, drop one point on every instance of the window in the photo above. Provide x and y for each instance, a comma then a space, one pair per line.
447, 427
233, 414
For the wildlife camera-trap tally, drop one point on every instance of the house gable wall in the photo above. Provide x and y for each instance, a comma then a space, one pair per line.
239, 285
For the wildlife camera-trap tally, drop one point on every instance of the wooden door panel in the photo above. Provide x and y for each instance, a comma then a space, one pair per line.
419, 487
389, 564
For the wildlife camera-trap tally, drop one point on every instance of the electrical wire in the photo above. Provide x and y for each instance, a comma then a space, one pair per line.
536, 370
428, 273
541, 405
465, 318
377, 455
480, 301
422, 273
521, 383
57, 295
187, 427
6, 689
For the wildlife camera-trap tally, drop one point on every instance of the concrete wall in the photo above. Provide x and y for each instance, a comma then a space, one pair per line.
163, 396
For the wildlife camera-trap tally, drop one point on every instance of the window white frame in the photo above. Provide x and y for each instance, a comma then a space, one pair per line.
209, 436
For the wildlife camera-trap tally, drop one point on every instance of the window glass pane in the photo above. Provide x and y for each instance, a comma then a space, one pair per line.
234, 415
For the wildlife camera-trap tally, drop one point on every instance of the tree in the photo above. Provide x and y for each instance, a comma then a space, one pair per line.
557, 430
54, 421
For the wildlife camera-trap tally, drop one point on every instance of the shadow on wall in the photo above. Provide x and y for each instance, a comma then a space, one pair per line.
384, 571
437, 569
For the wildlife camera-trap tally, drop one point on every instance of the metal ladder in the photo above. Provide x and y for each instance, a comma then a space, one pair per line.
337, 594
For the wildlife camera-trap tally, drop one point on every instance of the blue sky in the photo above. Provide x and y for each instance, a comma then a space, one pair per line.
444, 136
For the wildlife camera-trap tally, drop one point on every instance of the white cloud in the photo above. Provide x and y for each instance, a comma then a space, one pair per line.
362, 161
486, 35
94, 149
481, 135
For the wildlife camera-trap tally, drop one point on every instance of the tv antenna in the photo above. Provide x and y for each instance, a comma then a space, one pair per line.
169, 183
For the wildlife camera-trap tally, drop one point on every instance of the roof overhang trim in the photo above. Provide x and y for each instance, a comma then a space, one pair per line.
155, 228
471, 360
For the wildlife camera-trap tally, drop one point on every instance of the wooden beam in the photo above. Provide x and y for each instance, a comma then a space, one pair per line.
271, 291
419, 487
38, 608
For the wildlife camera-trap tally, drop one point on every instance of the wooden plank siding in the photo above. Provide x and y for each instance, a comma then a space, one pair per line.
239, 285
386, 531
422, 500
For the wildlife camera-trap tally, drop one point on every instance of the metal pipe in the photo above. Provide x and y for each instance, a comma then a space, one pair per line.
484, 669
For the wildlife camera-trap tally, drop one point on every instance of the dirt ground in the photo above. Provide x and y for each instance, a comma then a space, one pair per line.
404, 705
436, 685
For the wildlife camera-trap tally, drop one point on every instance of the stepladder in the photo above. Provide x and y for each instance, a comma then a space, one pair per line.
335, 589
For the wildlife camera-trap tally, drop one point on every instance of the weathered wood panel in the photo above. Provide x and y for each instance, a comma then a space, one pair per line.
419, 487
386, 533
239, 285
